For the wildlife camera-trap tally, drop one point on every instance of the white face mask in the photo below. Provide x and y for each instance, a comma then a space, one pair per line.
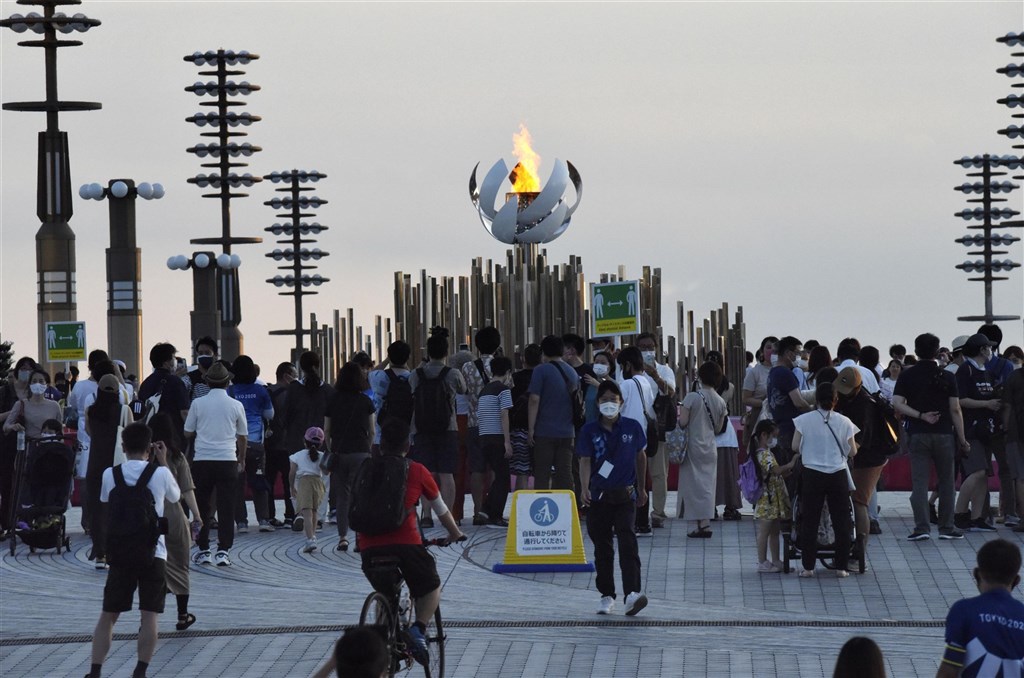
37, 389
23, 375
775, 360
609, 409
649, 356
801, 363
772, 442
600, 370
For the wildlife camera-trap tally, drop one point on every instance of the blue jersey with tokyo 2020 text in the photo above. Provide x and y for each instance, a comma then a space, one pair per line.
985, 636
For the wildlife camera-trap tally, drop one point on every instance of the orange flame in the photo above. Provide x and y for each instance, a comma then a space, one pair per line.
524, 175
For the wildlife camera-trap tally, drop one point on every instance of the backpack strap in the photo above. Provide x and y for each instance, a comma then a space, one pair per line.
565, 378
147, 474
390, 374
479, 362
119, 477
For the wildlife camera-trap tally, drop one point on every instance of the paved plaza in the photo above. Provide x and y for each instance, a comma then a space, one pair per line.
277, 611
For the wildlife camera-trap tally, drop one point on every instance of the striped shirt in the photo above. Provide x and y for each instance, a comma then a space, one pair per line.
494, 398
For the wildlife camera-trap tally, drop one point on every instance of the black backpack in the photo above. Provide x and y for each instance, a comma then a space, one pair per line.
398, 403
133, 527
575, 399
433, 409
378, 495
884, 427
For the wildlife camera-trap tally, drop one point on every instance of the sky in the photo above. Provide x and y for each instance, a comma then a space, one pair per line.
795, 159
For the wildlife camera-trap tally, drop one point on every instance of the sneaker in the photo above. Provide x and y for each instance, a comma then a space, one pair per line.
297, 524
265, 526
310, 546
634, 603
875, 528
418, 645
1012, 521
657, 521
779, 565
644, 532
933, 515
842, 574
202, 558
980, 525
952, 534
498, 524
101, 563
332, 517
806, 574
606, 606
767, 567
241, 528
481, 519
275, 523
962, 521
919, 536
221, 559
427, 522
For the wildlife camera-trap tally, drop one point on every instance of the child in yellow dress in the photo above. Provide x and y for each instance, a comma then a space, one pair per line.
773, 507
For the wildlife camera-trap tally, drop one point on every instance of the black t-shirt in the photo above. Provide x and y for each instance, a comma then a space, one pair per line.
861, 411
928, 388
976, 384
1013, 396
304, 407
349, 413
173, 398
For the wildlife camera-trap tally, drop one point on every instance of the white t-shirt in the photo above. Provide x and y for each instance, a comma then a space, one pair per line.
632, 404
216, 419
162, 485
80, 398
867, 375
818, 448
756, 380
306, 466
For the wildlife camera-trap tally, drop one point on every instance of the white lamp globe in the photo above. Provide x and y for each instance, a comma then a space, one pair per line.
95, 191
202, 260
236, 261
145, 190
158, 191
224, 260
119, 189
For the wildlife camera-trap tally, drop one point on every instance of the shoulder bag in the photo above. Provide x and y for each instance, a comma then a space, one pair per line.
846, 460
652, 424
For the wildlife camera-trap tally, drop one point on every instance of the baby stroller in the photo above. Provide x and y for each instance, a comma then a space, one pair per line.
42, 487
826, 539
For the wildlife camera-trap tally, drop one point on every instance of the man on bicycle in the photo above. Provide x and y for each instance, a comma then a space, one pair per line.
405, 543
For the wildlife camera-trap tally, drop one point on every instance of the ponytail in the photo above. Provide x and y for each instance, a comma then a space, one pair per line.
314, 453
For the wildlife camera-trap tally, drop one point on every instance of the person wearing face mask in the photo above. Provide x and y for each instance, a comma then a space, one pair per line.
662, 381
613, 462
602, 368
29, 413
104, 415
727, 489
849, 354
15, 390
783, 391
194, 380
976, 386
638, 405
494, 404
1000, 368
755, 386
702, 414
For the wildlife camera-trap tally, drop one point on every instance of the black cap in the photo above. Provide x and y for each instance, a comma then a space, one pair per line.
977, 341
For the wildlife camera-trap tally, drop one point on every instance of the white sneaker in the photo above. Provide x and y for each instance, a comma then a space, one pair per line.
606, 606
202, 558
265, 526
310, 546
767, 567
634, 603
842, 574
221, 559
241, 528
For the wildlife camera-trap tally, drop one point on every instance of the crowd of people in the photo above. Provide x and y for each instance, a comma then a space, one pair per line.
817, 427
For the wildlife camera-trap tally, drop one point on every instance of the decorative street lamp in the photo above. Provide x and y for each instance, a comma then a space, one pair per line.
207, 268
225, 157
55, 241
296, 234
990, 213
124, 267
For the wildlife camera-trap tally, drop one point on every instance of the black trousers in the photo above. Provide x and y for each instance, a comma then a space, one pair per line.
816, 489
222, 477
255, 476
7, 455
278, 465
493, 449
97, 510
607, 521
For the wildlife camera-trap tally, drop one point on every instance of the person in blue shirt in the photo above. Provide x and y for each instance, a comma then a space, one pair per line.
255, 399
985, 634
612, 453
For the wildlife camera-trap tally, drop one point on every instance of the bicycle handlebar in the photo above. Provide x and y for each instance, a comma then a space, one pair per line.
442, 541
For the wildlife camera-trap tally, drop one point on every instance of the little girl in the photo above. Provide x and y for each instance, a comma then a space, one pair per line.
773, 506
307, 483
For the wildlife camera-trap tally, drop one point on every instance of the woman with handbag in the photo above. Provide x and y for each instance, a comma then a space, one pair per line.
702, 414
351, 413
824, 440
29, 413
104, 419
727, 489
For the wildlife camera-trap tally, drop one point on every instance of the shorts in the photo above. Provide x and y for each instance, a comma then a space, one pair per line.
978, 459
477, 458
311, 493
415, 563
122, 582
521, 463
439, 452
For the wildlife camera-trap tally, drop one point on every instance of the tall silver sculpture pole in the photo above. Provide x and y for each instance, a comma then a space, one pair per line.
124, 267
55, 241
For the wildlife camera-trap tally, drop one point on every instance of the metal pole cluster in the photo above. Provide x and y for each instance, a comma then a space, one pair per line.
989, 211
225, 155
296, 233
55, 241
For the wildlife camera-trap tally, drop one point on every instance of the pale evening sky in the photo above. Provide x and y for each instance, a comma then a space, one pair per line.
793, 158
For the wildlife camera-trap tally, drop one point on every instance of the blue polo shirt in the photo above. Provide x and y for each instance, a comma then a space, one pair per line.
619, 447
985, 634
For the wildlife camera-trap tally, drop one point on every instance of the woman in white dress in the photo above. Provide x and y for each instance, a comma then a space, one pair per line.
702, 415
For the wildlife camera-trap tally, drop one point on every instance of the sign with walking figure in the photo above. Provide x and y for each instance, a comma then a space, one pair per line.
65, 341
614, 308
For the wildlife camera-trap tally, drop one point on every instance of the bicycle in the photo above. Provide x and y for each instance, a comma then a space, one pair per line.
394, 613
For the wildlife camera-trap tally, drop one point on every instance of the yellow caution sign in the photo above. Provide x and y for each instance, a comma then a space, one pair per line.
544, 534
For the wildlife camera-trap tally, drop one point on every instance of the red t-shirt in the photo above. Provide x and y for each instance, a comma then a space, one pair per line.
419, 483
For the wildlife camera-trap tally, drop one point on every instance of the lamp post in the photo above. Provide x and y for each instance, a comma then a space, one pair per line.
225, 154
992, 215
296, 234
55, 241
207, 268
124, 267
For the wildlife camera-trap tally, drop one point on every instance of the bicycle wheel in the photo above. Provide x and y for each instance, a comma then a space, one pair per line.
377, 612
435, 647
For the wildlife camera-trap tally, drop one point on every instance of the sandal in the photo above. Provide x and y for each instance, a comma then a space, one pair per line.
342, 545
700, 533
185, 621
